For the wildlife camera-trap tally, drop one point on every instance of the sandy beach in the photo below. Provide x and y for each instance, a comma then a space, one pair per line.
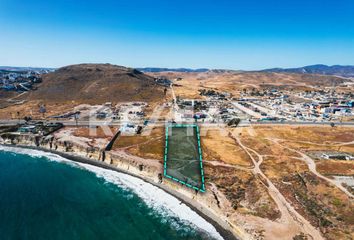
222, 227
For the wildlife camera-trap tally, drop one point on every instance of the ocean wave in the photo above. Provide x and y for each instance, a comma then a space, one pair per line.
153, 196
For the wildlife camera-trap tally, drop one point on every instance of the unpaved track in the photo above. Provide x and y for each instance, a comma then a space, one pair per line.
222, 164
139, 144
292, 220
175, 106
312, 167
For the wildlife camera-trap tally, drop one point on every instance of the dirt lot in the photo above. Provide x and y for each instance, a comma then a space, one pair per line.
233, 81
318, 200
309, 134
32, 109
245, 192
223, 148
283, 155
229, 169
335, 167
150, 146
97, 132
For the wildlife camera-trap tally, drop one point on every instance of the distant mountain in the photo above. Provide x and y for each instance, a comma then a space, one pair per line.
155, 69
338, 70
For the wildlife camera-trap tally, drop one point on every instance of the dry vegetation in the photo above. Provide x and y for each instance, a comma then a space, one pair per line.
227, 164
95, 132
228, 167
223, 148
277, 167
31, 108
79, 84
316, 134
246, 193
322, 203
97, 83
149, 146
233, 81
335, 167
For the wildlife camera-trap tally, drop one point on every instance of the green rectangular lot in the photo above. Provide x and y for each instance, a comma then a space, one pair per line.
183, 156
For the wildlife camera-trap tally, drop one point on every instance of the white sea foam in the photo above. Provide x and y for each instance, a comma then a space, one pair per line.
153, 196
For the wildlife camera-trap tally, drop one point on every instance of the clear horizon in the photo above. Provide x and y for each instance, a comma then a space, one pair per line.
167, 67
248, 35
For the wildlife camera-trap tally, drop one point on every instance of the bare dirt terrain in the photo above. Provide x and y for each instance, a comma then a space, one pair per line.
73, 85
97, 83
233, 82
326, 204
266, 181
264, 185
151, 146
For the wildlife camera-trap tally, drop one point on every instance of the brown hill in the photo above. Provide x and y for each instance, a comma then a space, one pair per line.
97, 83
234, 82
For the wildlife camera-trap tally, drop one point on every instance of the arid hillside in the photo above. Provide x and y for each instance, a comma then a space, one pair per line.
233, 82
96, 83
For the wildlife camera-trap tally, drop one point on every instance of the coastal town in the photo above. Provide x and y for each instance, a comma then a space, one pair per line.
177, 120
243, 133
20, 80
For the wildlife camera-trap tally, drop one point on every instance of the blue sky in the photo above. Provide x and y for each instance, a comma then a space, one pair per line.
248, 34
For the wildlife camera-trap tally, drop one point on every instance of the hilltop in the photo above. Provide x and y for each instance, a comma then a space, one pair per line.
96, 83
157, 69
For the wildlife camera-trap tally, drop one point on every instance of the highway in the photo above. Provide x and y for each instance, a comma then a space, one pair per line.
243, 123
303, 123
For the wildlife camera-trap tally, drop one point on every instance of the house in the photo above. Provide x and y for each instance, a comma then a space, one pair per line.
163, 81
101, 115
338, 156
27, 129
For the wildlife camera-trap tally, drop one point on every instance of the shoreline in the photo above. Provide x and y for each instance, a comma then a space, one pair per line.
221, 227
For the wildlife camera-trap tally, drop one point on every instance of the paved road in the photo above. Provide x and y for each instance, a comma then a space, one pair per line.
246, 110
9, 122
304, 123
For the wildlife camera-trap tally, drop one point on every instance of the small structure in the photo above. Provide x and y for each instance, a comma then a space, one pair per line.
337, 156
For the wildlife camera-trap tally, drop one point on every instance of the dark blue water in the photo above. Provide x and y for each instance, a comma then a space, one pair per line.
42, 199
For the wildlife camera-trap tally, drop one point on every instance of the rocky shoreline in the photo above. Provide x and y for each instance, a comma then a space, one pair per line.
222, 227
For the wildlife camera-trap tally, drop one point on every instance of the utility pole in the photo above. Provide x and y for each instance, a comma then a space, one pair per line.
76, 119
42, 110
18, 116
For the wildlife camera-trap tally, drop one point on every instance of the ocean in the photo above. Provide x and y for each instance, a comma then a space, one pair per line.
44, 196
